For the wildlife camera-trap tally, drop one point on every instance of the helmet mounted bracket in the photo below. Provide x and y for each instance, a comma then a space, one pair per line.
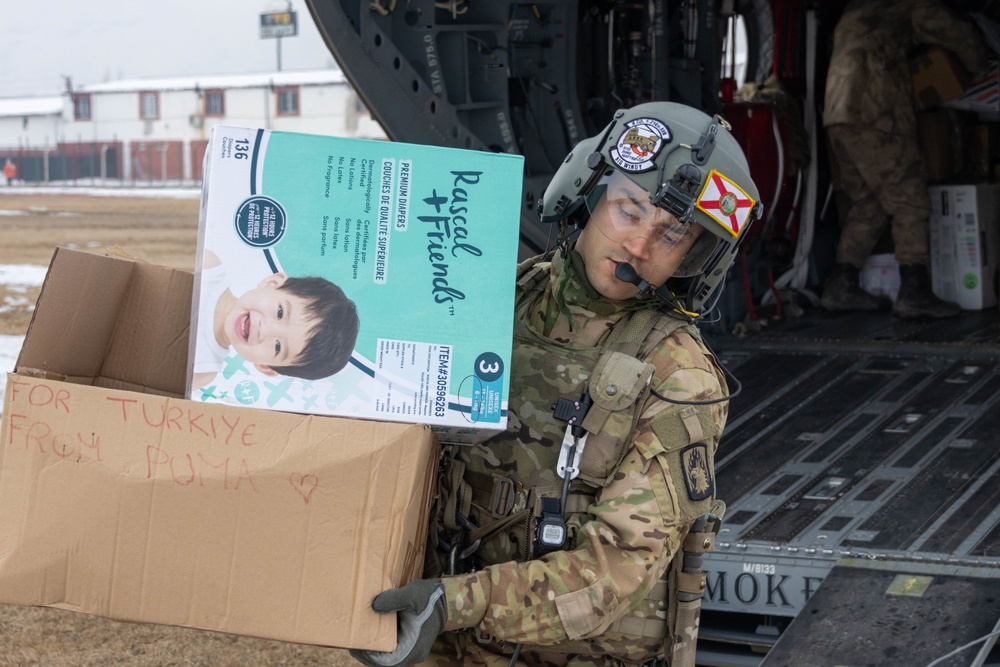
677, 196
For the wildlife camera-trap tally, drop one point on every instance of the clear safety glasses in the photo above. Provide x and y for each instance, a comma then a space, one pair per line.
620, 209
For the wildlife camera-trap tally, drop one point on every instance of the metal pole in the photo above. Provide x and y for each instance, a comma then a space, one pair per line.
279, 53
267, 107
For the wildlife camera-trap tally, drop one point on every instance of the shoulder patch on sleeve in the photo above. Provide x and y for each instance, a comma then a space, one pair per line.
686, 453
697, 471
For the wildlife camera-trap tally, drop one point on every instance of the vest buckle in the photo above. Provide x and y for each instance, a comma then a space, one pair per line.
502, 499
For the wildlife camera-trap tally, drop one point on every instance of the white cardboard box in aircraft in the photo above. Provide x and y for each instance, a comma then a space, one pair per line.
965, 243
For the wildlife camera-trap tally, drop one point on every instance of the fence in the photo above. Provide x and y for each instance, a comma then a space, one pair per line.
146, 162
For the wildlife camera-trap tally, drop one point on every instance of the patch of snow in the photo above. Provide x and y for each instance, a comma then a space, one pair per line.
178, 191
16, 277
10, 347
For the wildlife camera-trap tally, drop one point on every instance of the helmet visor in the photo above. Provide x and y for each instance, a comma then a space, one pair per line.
621, 210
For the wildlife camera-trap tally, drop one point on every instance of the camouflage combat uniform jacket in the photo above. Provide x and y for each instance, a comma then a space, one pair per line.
645, 476
868, 81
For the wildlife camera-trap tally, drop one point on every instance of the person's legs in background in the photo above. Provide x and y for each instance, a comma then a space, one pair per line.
893, 183
860, 230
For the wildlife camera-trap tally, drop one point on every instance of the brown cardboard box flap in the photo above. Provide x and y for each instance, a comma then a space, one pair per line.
111, 319
76, 314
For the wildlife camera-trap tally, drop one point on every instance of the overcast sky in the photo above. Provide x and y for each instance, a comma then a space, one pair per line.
43, 41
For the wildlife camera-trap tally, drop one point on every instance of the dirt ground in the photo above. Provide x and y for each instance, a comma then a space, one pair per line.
162, 231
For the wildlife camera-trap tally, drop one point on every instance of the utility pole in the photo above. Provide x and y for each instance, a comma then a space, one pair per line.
277, 25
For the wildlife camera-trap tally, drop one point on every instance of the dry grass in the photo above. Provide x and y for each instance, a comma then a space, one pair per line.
163, 231
157, 230
57, 638
15, 308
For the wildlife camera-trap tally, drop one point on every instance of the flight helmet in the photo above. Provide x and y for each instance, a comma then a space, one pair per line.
691, 166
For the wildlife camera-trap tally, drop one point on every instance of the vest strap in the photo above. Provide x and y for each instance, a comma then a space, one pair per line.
654, 627
498, 495
699, 543
459, 501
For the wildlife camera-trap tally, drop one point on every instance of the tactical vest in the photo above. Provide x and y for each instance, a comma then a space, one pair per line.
490, 495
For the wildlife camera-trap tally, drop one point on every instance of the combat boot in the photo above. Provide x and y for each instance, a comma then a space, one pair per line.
842, 291
916, 299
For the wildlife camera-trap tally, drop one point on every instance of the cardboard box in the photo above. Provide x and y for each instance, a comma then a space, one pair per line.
956, 147
943, 135
120, 498
937, 77
965, 243
880, 275
982, 151
423, 241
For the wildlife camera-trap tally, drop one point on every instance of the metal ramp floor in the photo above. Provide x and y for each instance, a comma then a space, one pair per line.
856, 438
865, 617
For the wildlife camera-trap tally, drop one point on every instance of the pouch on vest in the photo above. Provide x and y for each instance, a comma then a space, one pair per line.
618, 386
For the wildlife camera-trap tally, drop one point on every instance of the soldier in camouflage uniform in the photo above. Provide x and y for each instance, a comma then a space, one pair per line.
541, 557
872, 128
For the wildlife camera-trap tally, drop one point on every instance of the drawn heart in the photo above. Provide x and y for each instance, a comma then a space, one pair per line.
304, 484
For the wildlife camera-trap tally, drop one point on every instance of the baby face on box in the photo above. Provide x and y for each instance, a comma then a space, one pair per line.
300, 327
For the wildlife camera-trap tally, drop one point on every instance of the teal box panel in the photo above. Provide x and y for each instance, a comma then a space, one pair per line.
420, 242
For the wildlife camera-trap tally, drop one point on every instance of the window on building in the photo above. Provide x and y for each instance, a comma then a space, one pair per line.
149, 106
215, 103
288, 101
81, 107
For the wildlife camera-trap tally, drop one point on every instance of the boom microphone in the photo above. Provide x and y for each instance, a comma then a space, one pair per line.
627, 273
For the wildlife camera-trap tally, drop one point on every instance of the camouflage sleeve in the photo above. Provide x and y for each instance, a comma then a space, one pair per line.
936, 24
567, 595
620, 553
